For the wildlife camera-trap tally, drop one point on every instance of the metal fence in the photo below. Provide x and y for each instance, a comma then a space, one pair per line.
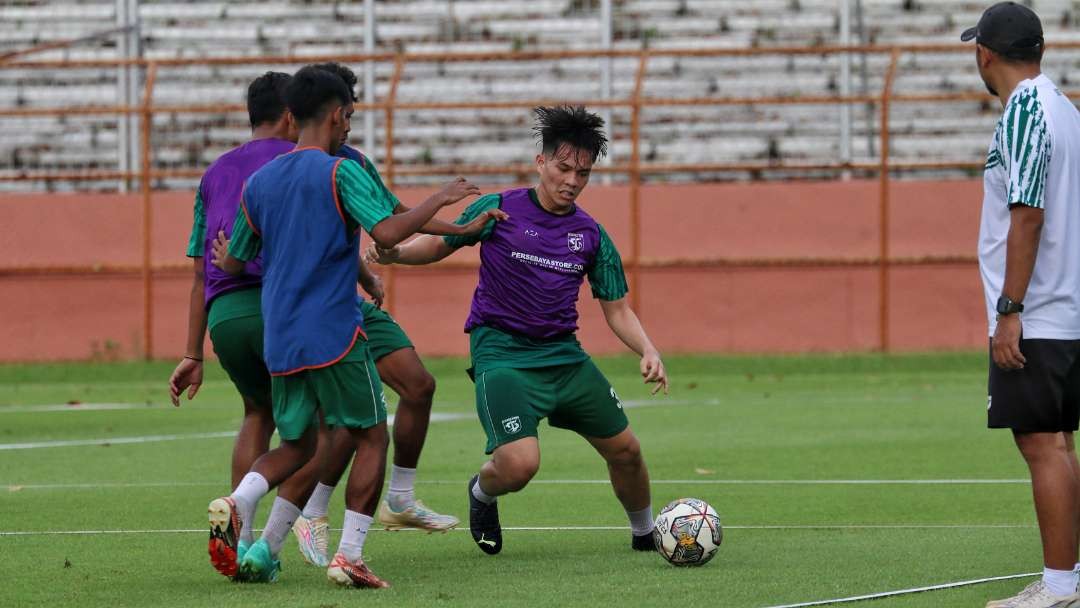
634, 168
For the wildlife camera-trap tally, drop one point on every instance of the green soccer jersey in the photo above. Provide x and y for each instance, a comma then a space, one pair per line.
364, 198
198, 228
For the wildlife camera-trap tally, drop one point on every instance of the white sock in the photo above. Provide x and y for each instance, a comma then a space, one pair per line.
1076, 568
1060, 582
282, 517
641, 522
246, 495
319, 502
401, 495
354, 534
479, 494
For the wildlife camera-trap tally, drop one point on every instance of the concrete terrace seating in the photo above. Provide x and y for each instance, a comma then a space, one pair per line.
672, 134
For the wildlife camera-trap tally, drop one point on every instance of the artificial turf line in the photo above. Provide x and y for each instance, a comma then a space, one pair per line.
874, 596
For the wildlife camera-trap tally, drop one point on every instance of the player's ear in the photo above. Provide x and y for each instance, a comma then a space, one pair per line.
540, 161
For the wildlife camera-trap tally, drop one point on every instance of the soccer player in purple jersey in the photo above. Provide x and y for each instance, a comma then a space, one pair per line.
526, 361
229, 305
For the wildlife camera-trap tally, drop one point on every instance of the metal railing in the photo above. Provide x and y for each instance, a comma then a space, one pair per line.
634, 169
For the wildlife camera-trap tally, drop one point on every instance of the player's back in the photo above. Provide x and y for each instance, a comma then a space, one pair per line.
220, 190
310, 259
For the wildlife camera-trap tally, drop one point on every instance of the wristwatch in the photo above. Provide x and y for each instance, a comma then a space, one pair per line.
1005, 306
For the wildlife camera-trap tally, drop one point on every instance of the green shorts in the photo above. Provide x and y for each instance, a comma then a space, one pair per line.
384, 334
348, 393
511, 402
237, 335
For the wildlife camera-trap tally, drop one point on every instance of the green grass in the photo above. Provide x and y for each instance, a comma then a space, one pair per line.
728, 419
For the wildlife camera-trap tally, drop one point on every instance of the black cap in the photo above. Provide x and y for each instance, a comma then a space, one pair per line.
1008, 28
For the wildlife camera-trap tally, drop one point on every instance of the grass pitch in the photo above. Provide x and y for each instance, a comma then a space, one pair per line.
818, 466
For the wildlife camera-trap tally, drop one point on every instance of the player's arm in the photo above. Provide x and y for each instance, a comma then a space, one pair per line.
1027, 164
189, 372
230, 254
479, 220
371, 283
372, 206
608, 282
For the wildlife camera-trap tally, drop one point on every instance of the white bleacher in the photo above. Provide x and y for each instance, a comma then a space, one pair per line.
676, 134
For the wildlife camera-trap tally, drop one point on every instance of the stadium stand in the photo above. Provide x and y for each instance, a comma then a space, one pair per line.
759, 132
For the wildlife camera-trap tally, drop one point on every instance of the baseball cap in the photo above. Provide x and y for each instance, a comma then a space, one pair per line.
1008, 28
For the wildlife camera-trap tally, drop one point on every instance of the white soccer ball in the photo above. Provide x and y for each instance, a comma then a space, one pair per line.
687, 532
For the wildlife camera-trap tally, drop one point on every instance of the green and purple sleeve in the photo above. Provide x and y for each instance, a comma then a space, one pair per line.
197, 240
606, 276
473, 211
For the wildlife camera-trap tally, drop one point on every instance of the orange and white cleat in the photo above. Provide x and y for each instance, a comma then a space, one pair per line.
353, 574
225, 526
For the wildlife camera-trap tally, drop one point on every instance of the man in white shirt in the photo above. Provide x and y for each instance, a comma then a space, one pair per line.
1029, 258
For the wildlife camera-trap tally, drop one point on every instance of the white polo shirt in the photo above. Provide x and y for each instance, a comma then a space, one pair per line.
1035, 160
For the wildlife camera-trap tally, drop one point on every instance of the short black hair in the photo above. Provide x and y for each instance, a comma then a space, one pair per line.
343, 73
266, 98
571, 125
312, 91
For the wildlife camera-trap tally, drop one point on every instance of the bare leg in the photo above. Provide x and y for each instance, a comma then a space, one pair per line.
626, 467
369, 467
402, 371
253, 440
281, 462
1070, 445
1055, 488
511, 467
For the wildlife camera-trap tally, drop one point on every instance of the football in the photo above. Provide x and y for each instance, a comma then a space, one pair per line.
687, 532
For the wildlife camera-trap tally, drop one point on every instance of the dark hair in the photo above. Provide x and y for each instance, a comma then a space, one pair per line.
312, 91
266, 98
343, 73
574, 126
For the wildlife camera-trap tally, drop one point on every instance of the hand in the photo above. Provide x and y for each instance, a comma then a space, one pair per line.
1006, 344
374, 288
457, 190
377, 255
477, 225
187, 375
220, 250
652, 370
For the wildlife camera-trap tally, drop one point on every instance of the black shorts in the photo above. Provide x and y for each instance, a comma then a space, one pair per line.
1044, 397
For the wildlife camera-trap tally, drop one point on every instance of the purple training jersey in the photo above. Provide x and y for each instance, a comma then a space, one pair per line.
220, 193
531, 269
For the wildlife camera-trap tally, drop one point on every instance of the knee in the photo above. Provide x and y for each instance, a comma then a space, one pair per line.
627, 455
420, 389
516, 475
1037, 447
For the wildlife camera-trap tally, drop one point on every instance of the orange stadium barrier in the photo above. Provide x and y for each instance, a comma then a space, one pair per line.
729, 312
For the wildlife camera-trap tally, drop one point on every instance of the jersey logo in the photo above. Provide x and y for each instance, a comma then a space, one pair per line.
575, 241
512, 424
618, 402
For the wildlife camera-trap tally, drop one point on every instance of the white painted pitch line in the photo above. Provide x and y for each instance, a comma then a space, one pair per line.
874, 596
15, 487
556, 529
435, 417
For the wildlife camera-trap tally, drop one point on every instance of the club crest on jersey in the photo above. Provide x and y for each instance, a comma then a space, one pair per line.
512, 424
575, 241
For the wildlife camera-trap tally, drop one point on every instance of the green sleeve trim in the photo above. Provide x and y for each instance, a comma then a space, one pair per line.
1026, 149
244, 244
606, 276
362, 200
197, 240
473, 211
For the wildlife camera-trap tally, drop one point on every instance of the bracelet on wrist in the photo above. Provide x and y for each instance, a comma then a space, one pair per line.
199, 359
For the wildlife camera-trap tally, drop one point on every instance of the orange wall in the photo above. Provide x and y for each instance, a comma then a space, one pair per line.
685, 310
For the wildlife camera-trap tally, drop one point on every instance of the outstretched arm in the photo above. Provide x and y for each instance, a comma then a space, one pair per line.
426, 249
626, 325
399, 226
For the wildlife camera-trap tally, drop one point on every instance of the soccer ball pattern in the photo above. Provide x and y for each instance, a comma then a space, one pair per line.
688, 532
